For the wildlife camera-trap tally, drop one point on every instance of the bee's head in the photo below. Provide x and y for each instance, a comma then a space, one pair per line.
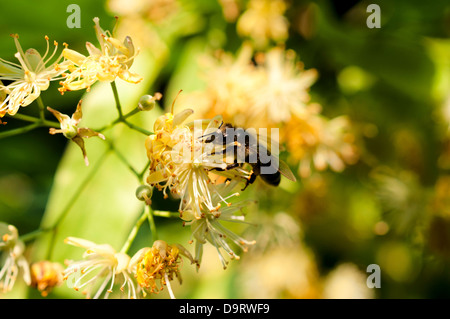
219, 135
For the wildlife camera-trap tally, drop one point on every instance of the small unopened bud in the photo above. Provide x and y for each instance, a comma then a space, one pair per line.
144, 193
147, 102
69, 131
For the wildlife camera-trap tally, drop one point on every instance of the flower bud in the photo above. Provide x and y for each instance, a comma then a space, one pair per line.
144, 192
147, 102
69, 130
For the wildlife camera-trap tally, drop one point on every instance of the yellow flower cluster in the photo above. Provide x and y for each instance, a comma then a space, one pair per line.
112, 60
160, 262
264, 21
318, 142
31, 76
264, 94
181, 161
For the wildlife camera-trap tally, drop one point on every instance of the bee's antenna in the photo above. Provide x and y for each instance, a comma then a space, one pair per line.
173, 103
212, 133
206, 135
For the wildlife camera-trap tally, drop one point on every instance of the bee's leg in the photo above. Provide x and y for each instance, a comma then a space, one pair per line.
230, 166
227, 149
250, 180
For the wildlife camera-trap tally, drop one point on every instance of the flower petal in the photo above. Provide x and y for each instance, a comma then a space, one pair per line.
74, 56
80, 142
87, 132
79, 242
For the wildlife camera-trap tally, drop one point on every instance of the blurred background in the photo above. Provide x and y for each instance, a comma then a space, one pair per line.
372, 157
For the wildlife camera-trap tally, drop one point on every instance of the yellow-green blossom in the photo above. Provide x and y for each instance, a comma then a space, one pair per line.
318, 142
101, 264
209, 228
284, 90
160, 263
181, 161
31, 76
113, 59
70, 129
264, 21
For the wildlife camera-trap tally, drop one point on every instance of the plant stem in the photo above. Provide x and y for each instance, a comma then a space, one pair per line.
20, 130
151, 221
28, 118
125, 161
134, 232
141, 175
37, 122
33, 234
137, 128
41, 108
116, 98
80, 188
146, 214
123, 118
120, 119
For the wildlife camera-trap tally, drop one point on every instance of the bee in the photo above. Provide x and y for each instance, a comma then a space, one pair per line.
246, 147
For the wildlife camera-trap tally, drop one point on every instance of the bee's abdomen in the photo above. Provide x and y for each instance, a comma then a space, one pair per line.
272, 179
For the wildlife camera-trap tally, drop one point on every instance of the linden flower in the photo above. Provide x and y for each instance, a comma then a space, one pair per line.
46, 275
284, 91
263, 95
113, 59
70, 130
31, 76
264, 21
230, 81
101, 263
12, 258
158, 263
209, 228
181, 161
318, 142
169, 131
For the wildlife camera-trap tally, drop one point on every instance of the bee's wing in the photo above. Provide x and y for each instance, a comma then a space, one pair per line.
274, 148
271, 144
285, 170
207, 125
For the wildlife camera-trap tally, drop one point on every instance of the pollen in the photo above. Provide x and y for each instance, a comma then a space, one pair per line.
159, 263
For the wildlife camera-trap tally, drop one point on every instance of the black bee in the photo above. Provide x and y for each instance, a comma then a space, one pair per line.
246, 147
